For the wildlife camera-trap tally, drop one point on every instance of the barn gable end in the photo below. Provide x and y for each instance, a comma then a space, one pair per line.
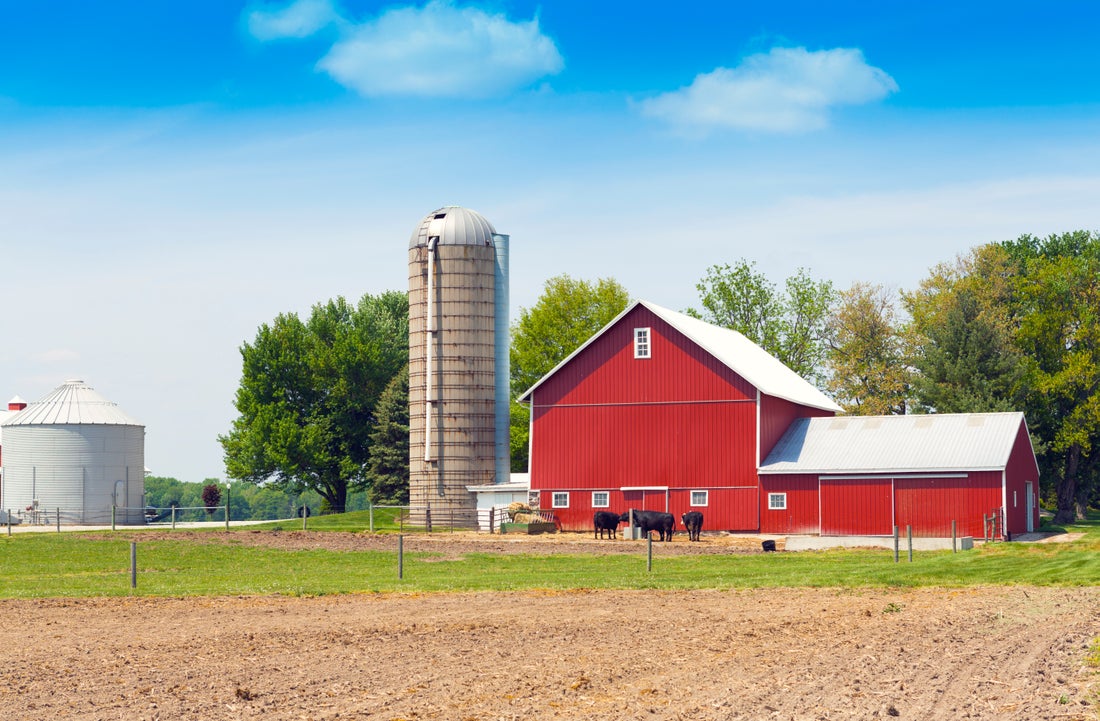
674, 430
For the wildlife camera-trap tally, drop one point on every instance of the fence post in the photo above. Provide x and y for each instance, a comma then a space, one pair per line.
492, 518
133, 564
59, 519
428, 519
227, 516
649, 553
400, 556
895, 544
9, 521
173, 518
305, 514
113, 510
370, 509
909, 536
954, 537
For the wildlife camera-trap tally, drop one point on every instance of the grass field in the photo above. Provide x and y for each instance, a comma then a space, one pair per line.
39, 565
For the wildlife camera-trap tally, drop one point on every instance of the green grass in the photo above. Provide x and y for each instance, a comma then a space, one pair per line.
385, 519
35, 565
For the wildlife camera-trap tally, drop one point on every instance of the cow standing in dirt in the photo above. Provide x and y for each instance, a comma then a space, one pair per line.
662, 523
693, 524
605, 521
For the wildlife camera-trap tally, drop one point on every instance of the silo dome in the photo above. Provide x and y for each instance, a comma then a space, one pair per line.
453, 225
76, 453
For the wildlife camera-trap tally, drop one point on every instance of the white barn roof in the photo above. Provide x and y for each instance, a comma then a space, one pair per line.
896, 444
737, 352
73, 402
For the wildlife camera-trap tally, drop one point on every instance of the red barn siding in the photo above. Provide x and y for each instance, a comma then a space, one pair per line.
801, 514
929, 505
675, 445
1021, 469
856, 507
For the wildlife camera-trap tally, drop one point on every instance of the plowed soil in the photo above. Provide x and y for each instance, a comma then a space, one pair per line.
980, 653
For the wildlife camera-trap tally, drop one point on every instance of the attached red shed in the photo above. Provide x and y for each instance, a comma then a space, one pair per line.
662, 411
863, 475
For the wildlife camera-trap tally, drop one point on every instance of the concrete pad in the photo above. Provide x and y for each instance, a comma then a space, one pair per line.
816, 543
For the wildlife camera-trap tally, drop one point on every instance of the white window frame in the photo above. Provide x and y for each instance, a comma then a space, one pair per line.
643, 343
606, 499
777, 501
559, 499
706, 499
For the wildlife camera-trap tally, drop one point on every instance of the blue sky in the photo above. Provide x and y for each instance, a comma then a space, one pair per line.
172, 175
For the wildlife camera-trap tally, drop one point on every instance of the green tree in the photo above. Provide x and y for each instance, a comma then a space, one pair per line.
566, 315
388, 467
308, 394
1014, 325
866, 356
1058, 292
966, 363
790, 324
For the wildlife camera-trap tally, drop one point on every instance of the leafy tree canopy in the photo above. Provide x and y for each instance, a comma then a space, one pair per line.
789, 324
308, 393
866, 353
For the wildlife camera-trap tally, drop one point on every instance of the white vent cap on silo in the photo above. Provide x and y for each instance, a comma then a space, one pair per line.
453, 225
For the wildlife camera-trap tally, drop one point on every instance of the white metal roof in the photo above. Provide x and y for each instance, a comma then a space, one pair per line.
738, 353
896, 444
71, 403
453, 226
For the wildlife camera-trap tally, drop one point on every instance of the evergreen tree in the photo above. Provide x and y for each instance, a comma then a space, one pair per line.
388, 467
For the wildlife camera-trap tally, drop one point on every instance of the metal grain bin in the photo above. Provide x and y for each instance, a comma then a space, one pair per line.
75, 452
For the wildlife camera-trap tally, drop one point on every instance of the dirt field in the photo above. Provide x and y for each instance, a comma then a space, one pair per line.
986, 653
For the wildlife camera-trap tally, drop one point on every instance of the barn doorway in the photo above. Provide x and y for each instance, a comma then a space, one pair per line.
857, 506
646, 498
1029, 505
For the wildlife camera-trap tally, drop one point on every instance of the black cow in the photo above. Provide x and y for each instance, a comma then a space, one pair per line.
662, 523
605, 521
693, 523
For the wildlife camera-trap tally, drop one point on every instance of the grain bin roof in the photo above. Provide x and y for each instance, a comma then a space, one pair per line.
895, 444
73, 402
453, 226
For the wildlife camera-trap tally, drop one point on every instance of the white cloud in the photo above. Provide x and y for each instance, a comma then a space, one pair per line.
57, 355
441, 51
298, 19
785, 90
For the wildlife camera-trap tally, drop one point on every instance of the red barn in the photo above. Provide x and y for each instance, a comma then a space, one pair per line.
661, 411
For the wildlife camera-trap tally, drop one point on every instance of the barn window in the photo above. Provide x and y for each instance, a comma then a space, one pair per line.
641, 343
777, 501
601, 499
559, 500
699, 498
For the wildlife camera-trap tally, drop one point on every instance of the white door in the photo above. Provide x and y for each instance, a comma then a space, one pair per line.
1029, 502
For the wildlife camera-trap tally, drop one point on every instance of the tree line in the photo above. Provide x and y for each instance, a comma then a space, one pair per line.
247, 501
1013, 325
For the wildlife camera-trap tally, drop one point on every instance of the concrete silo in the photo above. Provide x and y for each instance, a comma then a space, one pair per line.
75, 452
458, 364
